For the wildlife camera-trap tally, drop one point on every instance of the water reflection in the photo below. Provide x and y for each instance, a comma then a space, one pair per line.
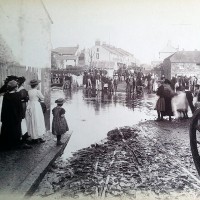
91, 118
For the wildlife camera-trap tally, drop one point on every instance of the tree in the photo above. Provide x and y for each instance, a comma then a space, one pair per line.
91, 55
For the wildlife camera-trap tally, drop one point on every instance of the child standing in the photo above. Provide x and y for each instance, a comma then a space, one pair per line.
59, 123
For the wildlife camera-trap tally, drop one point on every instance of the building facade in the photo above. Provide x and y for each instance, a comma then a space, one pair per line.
25, 41
108, 57
66, 56
182, 63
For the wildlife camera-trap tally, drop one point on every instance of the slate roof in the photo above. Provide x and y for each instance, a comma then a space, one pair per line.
124, 52
116, 51
65, 50
185, 57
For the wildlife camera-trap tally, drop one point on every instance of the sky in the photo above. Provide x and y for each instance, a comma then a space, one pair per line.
142, 27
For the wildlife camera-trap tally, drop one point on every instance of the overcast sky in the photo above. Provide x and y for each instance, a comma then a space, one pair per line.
142, 27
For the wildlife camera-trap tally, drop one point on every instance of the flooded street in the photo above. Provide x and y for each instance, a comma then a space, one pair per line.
91, 118
117, 150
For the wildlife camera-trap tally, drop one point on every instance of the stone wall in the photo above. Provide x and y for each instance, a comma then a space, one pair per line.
188, 69
181, 69
167, 68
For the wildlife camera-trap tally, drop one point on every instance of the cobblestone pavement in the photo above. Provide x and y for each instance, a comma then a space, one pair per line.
149, 160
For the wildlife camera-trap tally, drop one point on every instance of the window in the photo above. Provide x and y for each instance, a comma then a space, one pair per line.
97, 55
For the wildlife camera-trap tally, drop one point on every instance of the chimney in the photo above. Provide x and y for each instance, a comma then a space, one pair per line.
97, 43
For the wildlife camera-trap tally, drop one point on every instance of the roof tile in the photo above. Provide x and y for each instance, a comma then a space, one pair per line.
185, 57
66, 50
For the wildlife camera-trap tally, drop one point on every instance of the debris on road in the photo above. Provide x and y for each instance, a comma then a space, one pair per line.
128, 161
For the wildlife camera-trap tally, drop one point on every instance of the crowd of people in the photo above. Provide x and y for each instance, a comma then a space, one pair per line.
96, 79
64, 79
22, 117
22, 111
176, 96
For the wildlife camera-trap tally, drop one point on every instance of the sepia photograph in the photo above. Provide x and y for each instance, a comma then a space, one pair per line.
99, 99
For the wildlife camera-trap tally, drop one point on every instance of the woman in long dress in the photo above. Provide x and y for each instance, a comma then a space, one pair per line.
11, 117
168, 94
3, 90
160, 104
34, 114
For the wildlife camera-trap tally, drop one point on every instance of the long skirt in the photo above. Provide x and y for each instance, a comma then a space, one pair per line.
10, 135
168, 107
59, 126
160, 104
35, 120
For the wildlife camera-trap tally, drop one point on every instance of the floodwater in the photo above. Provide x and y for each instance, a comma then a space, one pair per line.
91, 118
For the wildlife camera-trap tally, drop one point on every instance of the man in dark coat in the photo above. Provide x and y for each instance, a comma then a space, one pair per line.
11, 117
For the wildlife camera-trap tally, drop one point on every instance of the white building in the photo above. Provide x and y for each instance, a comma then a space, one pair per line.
26, 30
108, 57
25, 42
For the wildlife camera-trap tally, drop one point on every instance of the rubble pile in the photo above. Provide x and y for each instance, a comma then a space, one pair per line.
125, 163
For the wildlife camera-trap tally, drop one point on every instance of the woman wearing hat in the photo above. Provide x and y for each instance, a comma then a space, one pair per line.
34, 114
11, 117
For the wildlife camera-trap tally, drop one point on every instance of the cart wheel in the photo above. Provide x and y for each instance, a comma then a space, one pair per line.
195, 139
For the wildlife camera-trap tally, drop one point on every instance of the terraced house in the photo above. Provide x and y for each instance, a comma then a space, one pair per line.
182, 63
109, 57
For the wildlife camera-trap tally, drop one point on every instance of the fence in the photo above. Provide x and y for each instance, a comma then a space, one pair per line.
29, 73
